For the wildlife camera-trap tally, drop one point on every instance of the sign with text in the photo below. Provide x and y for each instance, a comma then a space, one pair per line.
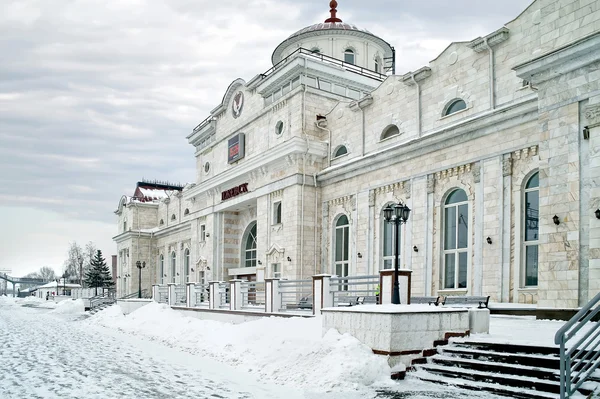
235, 147
234, 192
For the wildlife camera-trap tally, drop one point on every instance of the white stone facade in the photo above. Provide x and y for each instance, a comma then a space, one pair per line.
317, 144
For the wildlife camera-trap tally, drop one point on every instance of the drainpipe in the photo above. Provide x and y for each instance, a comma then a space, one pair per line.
303, 177
412, 76
315, 219
318, 125
492, 75
362, 117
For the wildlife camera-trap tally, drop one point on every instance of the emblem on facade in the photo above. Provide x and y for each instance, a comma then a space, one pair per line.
238, 104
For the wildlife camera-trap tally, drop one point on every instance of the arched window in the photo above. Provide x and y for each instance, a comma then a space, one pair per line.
390, 131
315, 50
186, 212
173, 266
186, 261
531, 231
277, 213
388, 243
161, 269
455, 106
162, 222
341, 250
173, 217
341, 150
124, 226
249, 248
456, 240
377, 64
349, 56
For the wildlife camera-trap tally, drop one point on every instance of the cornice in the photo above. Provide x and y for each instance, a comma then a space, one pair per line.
481, 43
562, 60
295, 145
173, 229
419, 75
523, 111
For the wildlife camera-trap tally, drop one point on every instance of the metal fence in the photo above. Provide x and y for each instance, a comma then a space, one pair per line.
354, 290
163, 294
296, 295
180, 295
202, 295
253, 295
224, 295
579, 349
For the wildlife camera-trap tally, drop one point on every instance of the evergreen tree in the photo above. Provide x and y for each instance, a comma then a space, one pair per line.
98, 276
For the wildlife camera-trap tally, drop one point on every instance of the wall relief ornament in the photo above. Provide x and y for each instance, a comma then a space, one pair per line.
238, 104
592, 114
507, 166
476, 170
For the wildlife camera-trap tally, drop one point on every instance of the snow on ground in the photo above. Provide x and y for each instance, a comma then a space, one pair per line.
70, 307
291, 351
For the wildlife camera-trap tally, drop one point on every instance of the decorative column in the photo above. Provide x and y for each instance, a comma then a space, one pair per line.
272, 297
155, 293
322, 297
191, 295
592, 133
172, 295
235, 294
386, 286
214, 301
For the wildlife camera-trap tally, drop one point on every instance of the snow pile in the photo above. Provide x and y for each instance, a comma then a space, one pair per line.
32, 300
69, 307
289, 351
7, 300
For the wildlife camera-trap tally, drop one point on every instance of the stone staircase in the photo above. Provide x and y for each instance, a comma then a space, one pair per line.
98, 308
515, 371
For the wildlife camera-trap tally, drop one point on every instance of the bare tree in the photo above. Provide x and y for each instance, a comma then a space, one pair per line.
47, 273
73, 265
89, 253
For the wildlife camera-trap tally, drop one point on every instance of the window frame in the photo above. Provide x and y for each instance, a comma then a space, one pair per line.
337, 149
385, 133
161, 263
524, 242
173, 266
202, 233
341, 267
383, 257
350, 52
456, 251
277, 212
451, 103
249, 255
186, 265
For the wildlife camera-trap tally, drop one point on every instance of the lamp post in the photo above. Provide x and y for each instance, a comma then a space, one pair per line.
140, 266
396, 215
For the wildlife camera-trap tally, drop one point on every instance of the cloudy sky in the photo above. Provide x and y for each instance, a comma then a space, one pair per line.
98, 94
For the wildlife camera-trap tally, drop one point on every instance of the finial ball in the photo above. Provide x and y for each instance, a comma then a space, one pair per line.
333, 4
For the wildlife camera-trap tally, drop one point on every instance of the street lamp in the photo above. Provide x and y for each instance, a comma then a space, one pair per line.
396, 215
140, 266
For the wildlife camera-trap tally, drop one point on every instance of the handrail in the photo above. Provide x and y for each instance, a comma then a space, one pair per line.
581, 358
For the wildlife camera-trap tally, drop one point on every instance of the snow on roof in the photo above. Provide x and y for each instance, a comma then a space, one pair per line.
54, 284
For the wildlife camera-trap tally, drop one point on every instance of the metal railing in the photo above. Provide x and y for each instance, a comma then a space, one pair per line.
202, 295
579, 354
163, 294
224, 296
329, 60
180, 295
146, 294
253, 294
296, 295
348, 289
107, 297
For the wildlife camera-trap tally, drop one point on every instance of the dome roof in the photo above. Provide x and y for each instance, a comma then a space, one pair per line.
324, 26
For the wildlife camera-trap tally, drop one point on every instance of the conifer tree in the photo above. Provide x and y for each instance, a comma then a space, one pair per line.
98, 276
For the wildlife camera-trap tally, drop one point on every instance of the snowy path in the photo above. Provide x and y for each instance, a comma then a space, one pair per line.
51, 355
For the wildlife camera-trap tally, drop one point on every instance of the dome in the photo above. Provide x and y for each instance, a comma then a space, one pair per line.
328, 26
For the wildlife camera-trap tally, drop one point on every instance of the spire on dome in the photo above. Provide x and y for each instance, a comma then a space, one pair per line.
333, 4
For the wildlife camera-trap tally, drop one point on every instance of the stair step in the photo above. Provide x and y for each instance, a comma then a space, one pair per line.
509, 348
507, 391
497, 367
512, 380
544, 361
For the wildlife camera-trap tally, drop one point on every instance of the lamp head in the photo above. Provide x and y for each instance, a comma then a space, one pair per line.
387, 213
556, 220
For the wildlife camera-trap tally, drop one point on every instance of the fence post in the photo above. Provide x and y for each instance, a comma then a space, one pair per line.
213, 295
235, 294
386, 285
272, 297
172, 296
155, 293
322, 297
191, 295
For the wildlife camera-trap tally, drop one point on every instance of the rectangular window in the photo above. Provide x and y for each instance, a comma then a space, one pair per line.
276, 270
277, 212
202, 232
286, 89
450, 228
310, 82
450, 269
295, 82
531, 265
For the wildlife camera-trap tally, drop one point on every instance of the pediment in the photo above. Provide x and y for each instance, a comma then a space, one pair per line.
275, 248
231, 90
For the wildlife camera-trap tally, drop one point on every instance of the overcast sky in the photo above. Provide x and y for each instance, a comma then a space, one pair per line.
98, 94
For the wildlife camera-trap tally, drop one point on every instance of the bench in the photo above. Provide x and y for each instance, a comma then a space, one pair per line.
367, 300
356, 300
421, 300
481, 301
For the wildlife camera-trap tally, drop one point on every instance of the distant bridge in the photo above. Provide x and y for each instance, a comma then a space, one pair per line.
22, 280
